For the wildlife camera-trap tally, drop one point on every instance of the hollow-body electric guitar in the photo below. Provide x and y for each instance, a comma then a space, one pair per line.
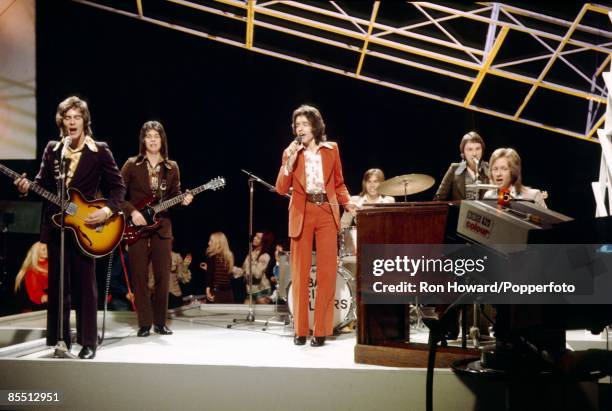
94, 240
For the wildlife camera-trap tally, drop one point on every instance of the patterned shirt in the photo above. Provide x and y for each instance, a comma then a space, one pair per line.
74, 155
153, 175
314, 172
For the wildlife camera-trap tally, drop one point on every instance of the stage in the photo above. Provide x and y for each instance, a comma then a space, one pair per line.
205, 365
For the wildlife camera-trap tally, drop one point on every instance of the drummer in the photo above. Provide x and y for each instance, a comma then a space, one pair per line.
369, 195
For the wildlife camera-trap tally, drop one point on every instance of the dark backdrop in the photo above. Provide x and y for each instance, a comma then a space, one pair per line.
225, 109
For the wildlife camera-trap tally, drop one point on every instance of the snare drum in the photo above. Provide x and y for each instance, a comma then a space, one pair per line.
348, 242
344, 304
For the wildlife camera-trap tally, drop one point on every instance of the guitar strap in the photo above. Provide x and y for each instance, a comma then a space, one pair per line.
162, 185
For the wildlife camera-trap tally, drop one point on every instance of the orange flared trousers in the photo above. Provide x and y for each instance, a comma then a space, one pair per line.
320, 226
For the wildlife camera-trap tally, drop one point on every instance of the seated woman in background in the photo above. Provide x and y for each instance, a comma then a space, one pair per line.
505, 168
369, 194
34, 272
218, 266
261, 264
179, 274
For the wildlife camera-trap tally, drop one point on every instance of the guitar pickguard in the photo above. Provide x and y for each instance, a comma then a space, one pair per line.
149, 214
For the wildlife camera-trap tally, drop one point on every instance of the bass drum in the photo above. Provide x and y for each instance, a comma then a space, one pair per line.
344, 305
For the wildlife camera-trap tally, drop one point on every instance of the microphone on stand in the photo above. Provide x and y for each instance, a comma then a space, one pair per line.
477, 162
67, 143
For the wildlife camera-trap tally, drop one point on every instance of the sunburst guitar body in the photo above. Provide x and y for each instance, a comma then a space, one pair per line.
95, 241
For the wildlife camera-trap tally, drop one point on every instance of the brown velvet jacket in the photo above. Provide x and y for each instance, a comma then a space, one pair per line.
452, 187
96, 174
136, 177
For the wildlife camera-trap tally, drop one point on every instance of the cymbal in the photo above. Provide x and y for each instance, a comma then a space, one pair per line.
406, 184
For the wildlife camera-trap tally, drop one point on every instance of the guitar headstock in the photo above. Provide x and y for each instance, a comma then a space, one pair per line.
215, 183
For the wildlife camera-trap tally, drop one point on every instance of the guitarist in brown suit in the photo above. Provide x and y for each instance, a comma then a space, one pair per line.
89, 163
150, 174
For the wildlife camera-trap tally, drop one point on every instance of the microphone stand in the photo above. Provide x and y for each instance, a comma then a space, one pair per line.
61, 349
251, 314
475, 328
262, 182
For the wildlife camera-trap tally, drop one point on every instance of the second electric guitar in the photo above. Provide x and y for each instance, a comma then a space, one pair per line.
149, 211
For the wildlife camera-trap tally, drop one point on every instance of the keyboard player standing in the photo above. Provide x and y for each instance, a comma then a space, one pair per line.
470, 170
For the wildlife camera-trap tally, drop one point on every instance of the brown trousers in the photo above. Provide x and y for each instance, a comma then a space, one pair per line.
319, 225
151, 309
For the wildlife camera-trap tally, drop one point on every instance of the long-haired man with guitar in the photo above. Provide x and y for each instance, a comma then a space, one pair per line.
151, 174
89, 165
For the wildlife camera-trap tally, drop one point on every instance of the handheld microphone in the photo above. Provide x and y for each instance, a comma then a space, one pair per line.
67, 143
298, 141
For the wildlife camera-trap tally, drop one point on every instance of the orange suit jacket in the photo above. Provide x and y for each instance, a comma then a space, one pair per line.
335, 188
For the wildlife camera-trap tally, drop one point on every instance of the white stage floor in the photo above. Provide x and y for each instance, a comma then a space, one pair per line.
238, 368
203, 338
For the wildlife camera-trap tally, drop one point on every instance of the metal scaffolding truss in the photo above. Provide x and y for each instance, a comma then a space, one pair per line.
602, 189
492, 58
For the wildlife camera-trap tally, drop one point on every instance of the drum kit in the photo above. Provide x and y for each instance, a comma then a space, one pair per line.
345, 306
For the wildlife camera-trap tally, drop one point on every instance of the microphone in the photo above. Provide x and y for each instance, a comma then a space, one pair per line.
476, 162
67, 143
298, 141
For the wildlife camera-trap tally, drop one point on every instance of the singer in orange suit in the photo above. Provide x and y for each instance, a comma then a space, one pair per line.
311, 165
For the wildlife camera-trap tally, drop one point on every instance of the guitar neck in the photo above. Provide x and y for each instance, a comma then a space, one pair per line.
164, 205
33, 186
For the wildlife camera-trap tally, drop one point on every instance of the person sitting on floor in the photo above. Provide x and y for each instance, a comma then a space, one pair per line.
261, 263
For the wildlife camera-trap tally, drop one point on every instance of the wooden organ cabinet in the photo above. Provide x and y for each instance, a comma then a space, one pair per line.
383, 330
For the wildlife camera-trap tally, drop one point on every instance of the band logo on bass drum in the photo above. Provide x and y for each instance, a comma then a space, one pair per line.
339, 303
